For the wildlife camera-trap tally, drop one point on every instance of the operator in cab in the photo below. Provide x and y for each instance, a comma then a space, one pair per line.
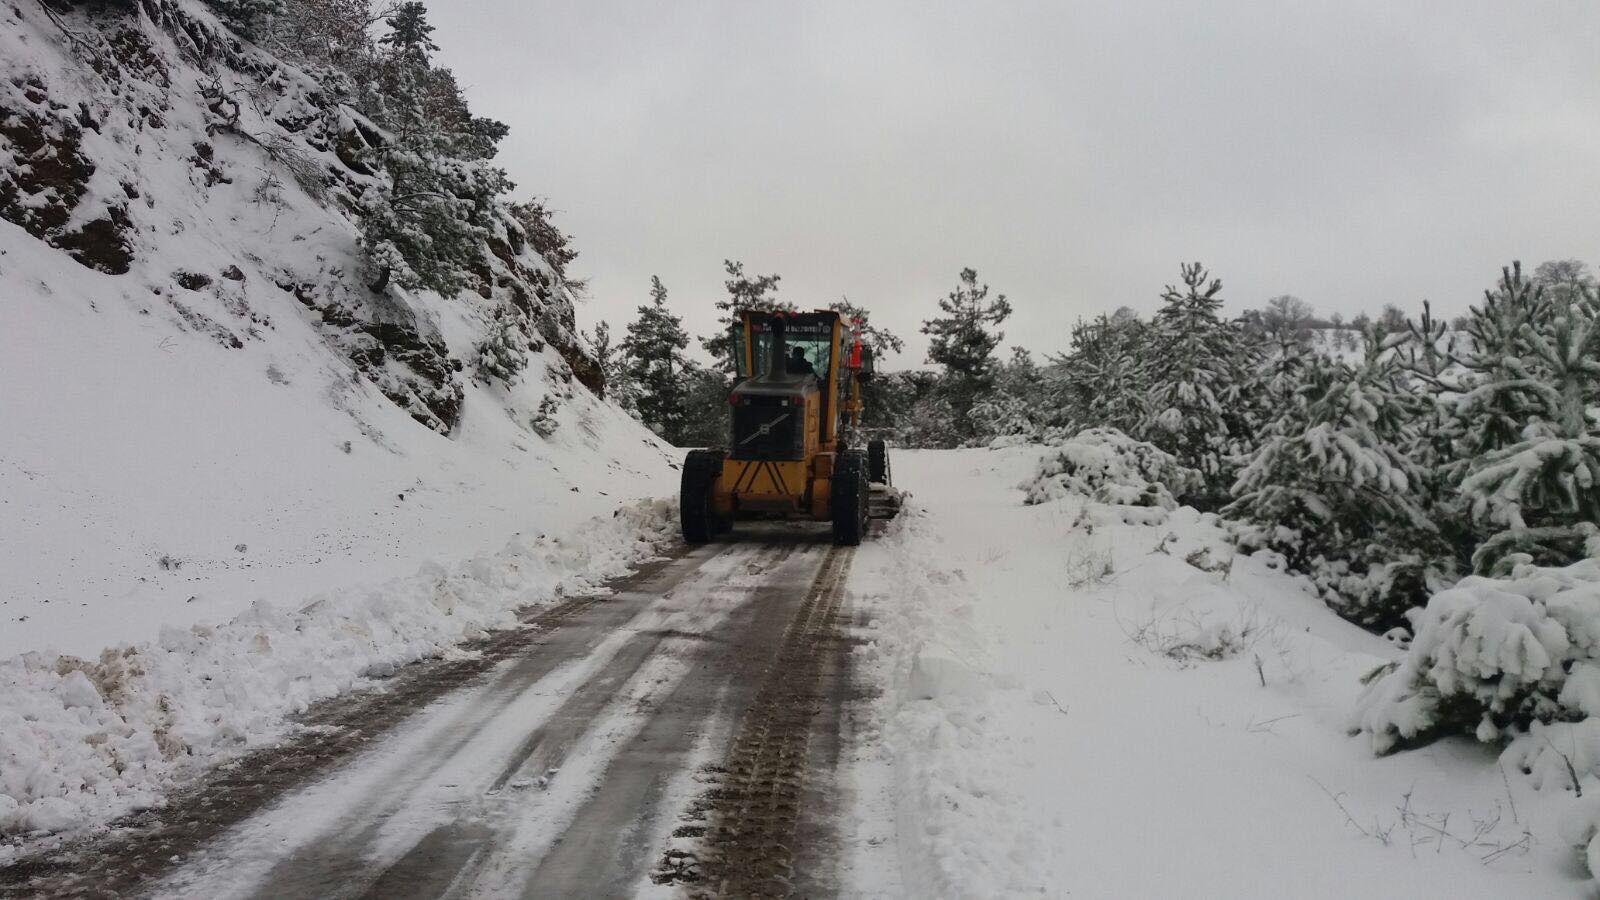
798, 364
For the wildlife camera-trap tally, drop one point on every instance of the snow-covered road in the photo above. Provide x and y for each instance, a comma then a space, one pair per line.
985, 699
630, 743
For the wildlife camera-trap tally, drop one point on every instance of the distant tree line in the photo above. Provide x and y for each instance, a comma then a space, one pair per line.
1437, 450
1386, 456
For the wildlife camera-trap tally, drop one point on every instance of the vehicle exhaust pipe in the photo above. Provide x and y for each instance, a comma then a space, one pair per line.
778, 359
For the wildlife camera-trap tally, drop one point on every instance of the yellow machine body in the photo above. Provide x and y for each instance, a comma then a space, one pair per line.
795, 400
788, 487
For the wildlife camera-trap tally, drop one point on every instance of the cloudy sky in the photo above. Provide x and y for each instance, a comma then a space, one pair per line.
1350, 152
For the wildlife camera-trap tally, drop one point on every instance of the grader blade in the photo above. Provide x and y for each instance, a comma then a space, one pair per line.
884, 502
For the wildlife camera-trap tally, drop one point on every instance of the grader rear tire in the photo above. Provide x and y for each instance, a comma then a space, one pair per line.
849, 498
701, 469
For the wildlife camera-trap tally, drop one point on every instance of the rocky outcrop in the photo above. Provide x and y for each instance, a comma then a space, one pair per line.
145, 140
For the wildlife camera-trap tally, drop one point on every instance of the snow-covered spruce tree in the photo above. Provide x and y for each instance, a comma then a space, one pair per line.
1534, 477
1332, 489
654, 362
426, 224
744, 292
1196, 370
963, 341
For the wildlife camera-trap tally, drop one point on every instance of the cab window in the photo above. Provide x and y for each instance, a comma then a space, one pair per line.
815, 341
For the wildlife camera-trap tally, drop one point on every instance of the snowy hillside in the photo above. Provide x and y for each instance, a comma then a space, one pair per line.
213, 410
205, 403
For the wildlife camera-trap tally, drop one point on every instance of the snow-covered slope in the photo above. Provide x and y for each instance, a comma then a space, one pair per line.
205, 407
151, 476
208, 407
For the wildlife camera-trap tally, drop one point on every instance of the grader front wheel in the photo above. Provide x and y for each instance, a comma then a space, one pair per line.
696, 513
849, 498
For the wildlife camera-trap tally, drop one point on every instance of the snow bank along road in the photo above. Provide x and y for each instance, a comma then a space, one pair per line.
678, 732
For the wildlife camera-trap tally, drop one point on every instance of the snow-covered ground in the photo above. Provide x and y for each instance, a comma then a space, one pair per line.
1090, 700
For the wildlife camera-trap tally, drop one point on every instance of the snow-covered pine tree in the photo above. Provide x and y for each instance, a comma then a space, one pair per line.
503, 352
705, 420
1565, 280
654, 362
1014, 407
1288, 341
879, 405
1196, 371
247, 17
330, 38
1099, 382
1501, 394
1534, 475
551, 243
963, 342
1427, 359
895, 401
881, 340
1331, 487
619, 388
744, 292
933, 422
426, 227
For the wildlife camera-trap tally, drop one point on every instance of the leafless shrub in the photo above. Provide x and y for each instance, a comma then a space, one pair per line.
1088, 565
287, 153
1201, 559
1432, 831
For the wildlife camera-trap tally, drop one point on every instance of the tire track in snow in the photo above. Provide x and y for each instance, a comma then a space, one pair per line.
767, 827
608, 849
556, 765
335, 838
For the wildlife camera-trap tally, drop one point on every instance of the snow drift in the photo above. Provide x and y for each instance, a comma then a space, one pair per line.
85, 741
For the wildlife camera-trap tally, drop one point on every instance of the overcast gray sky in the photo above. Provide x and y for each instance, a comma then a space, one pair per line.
1349, 152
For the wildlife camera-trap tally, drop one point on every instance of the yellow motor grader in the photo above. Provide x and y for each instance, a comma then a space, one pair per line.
796, 407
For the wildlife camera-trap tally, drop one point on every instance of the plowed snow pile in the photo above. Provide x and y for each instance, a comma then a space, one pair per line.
84, 742
1091, 699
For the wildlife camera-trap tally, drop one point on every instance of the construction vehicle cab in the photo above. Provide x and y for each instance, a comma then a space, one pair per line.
795, 405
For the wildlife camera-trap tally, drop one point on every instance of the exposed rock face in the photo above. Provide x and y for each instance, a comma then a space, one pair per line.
146, 141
